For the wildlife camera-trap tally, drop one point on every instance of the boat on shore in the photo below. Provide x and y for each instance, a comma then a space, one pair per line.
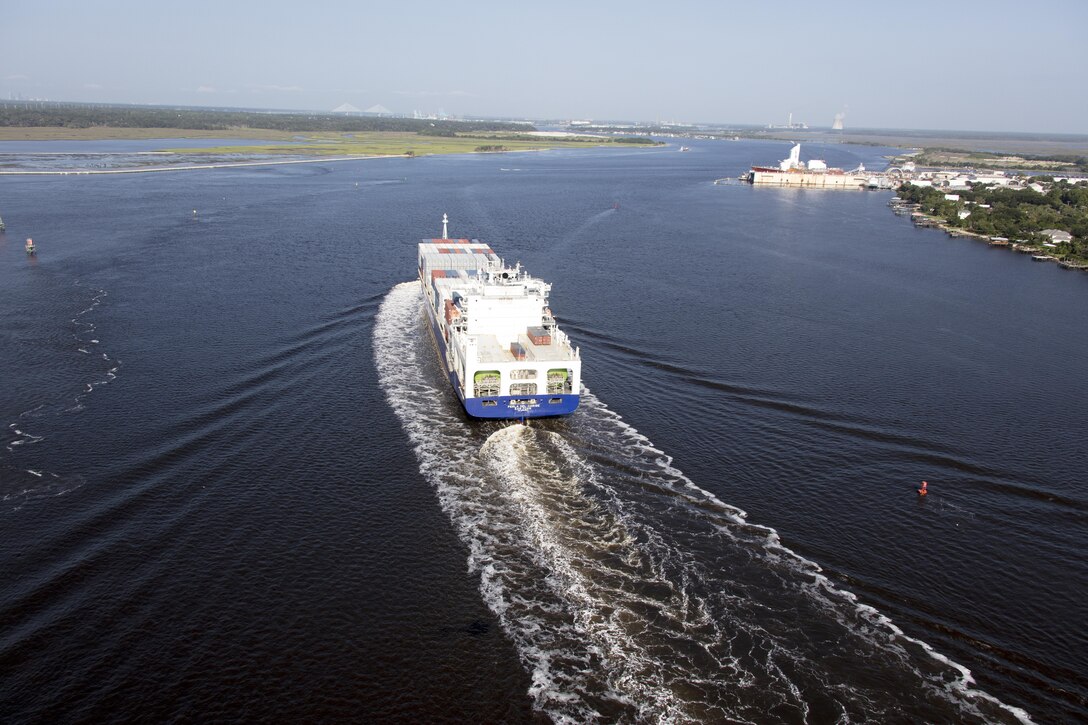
496, 337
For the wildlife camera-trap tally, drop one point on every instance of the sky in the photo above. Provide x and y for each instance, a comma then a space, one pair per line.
953, 65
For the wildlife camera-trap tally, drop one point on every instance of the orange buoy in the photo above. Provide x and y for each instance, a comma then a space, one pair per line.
923, 490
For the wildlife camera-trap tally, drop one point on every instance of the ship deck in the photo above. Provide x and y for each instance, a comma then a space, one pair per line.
489, 350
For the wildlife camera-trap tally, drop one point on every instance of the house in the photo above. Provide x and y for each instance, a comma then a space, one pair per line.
1058, 236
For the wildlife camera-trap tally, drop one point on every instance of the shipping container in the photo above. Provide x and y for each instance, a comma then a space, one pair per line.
539, 336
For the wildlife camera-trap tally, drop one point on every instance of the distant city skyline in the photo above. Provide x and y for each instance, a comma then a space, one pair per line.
973, 66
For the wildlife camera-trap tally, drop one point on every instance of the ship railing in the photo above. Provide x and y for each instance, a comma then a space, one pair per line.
562, 340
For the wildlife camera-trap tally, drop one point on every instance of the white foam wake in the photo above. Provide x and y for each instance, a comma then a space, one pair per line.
529, 571
830, 598
629, 591
16, 486
83, 335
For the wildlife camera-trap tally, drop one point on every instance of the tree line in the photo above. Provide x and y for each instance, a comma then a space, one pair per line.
64, 116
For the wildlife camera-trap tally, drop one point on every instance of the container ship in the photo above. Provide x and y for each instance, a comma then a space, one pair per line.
496, 337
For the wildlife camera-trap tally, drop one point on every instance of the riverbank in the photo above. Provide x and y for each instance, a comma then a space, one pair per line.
1038, 253
400, 143
319, 143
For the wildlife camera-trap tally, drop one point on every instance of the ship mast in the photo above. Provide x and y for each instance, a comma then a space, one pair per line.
445, 230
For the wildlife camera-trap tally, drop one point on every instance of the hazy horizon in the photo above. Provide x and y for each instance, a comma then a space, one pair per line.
989, 67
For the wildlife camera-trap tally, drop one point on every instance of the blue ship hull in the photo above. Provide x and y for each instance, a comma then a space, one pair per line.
508, 407
525, 406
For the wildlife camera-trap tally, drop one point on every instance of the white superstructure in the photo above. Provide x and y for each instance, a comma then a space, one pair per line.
792, 171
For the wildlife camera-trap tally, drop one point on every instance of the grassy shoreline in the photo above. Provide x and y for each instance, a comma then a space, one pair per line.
360, 143
393, 143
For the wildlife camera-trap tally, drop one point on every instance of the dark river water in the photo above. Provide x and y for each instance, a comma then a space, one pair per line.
234, 485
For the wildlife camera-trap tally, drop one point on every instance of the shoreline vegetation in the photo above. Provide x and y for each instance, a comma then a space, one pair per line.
398, 143
293, 137
1015, 219
285, 147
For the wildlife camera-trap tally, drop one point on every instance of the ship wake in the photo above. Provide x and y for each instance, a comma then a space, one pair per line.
19, 484
632, 594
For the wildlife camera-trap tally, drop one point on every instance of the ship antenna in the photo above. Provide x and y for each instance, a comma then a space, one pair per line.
445, 230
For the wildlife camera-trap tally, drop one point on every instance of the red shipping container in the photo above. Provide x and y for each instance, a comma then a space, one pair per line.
539, 336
